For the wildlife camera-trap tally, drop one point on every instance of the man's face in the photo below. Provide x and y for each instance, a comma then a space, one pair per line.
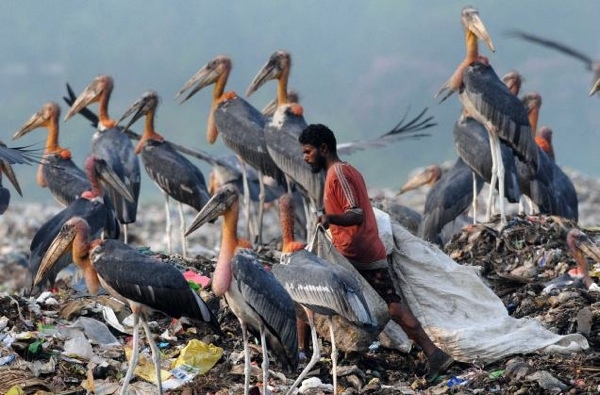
314, 157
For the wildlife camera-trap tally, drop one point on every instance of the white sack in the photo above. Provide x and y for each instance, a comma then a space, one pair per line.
460, 312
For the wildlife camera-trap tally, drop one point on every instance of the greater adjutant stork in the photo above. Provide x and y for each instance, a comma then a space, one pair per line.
112, 145
172, 172
566, 203
581, 246
239, 123
450, 195
90, 206
321, 287
145, 283
57, 171
258, 300
487, 99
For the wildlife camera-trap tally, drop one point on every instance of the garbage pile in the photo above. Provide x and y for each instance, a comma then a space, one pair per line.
70, 342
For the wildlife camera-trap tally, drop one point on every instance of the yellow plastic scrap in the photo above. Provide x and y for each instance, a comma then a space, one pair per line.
15, 390
145, 368
198, 355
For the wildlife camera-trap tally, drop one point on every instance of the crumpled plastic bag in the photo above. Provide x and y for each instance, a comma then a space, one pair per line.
195, 358
199, 355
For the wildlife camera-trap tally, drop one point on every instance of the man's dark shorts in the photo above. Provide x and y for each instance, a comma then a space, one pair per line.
381, 281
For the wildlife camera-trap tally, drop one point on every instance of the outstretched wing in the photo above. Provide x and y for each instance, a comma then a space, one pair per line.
401, 131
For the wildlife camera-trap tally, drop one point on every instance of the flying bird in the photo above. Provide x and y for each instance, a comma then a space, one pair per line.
590, 64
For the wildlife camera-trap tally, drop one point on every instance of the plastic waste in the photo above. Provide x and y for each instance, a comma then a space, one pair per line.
3, 322
7, 359
15, 390
111, 318
145, 368
78, 346
195, 358
196, 279
98, 332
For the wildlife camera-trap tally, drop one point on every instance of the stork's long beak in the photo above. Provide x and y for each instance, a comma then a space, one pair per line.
35, 121
471, 21
513, 81
62, 243
139, 108
7, 169
420, 179
205, 76
108, 176
270, 71
587, 246
596, 87
220, 202
88, 96
270, 108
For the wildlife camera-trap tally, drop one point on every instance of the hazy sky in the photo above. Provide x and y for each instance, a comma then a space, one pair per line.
358, 65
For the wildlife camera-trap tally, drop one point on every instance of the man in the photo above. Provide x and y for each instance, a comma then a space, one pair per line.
349, 216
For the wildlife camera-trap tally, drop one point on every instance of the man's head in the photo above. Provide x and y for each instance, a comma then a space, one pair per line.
318, 144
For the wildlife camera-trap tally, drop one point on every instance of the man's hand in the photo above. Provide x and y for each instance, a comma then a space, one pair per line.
349, 218
323, 219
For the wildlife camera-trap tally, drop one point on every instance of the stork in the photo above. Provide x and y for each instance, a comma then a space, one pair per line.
90, 206
257, 299
172, 172
321, 287
240, 125
57, 171
111, 144
487, 99
145, 283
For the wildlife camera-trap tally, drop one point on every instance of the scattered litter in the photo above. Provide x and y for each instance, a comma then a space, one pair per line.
197, 279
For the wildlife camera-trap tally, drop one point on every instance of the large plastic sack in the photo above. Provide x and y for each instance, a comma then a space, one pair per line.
460, 313
349, 337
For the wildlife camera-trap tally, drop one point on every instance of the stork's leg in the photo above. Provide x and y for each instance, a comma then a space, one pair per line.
310, 217
316, 352
265, 362
500, 169
155, 355
134, 355
288, 182
522, 204
261, 208
246, 200
182, 230
125, 237
169, 225
247, 366
488, 211
474, 203
334, 355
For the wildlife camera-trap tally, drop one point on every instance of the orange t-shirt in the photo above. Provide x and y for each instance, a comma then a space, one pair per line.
345, 189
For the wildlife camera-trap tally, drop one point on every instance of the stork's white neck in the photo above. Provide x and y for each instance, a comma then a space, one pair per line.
279, 117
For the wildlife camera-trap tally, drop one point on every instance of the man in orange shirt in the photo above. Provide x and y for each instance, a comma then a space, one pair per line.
349, 216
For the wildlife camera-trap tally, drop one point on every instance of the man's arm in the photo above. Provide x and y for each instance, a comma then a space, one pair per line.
350, 217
